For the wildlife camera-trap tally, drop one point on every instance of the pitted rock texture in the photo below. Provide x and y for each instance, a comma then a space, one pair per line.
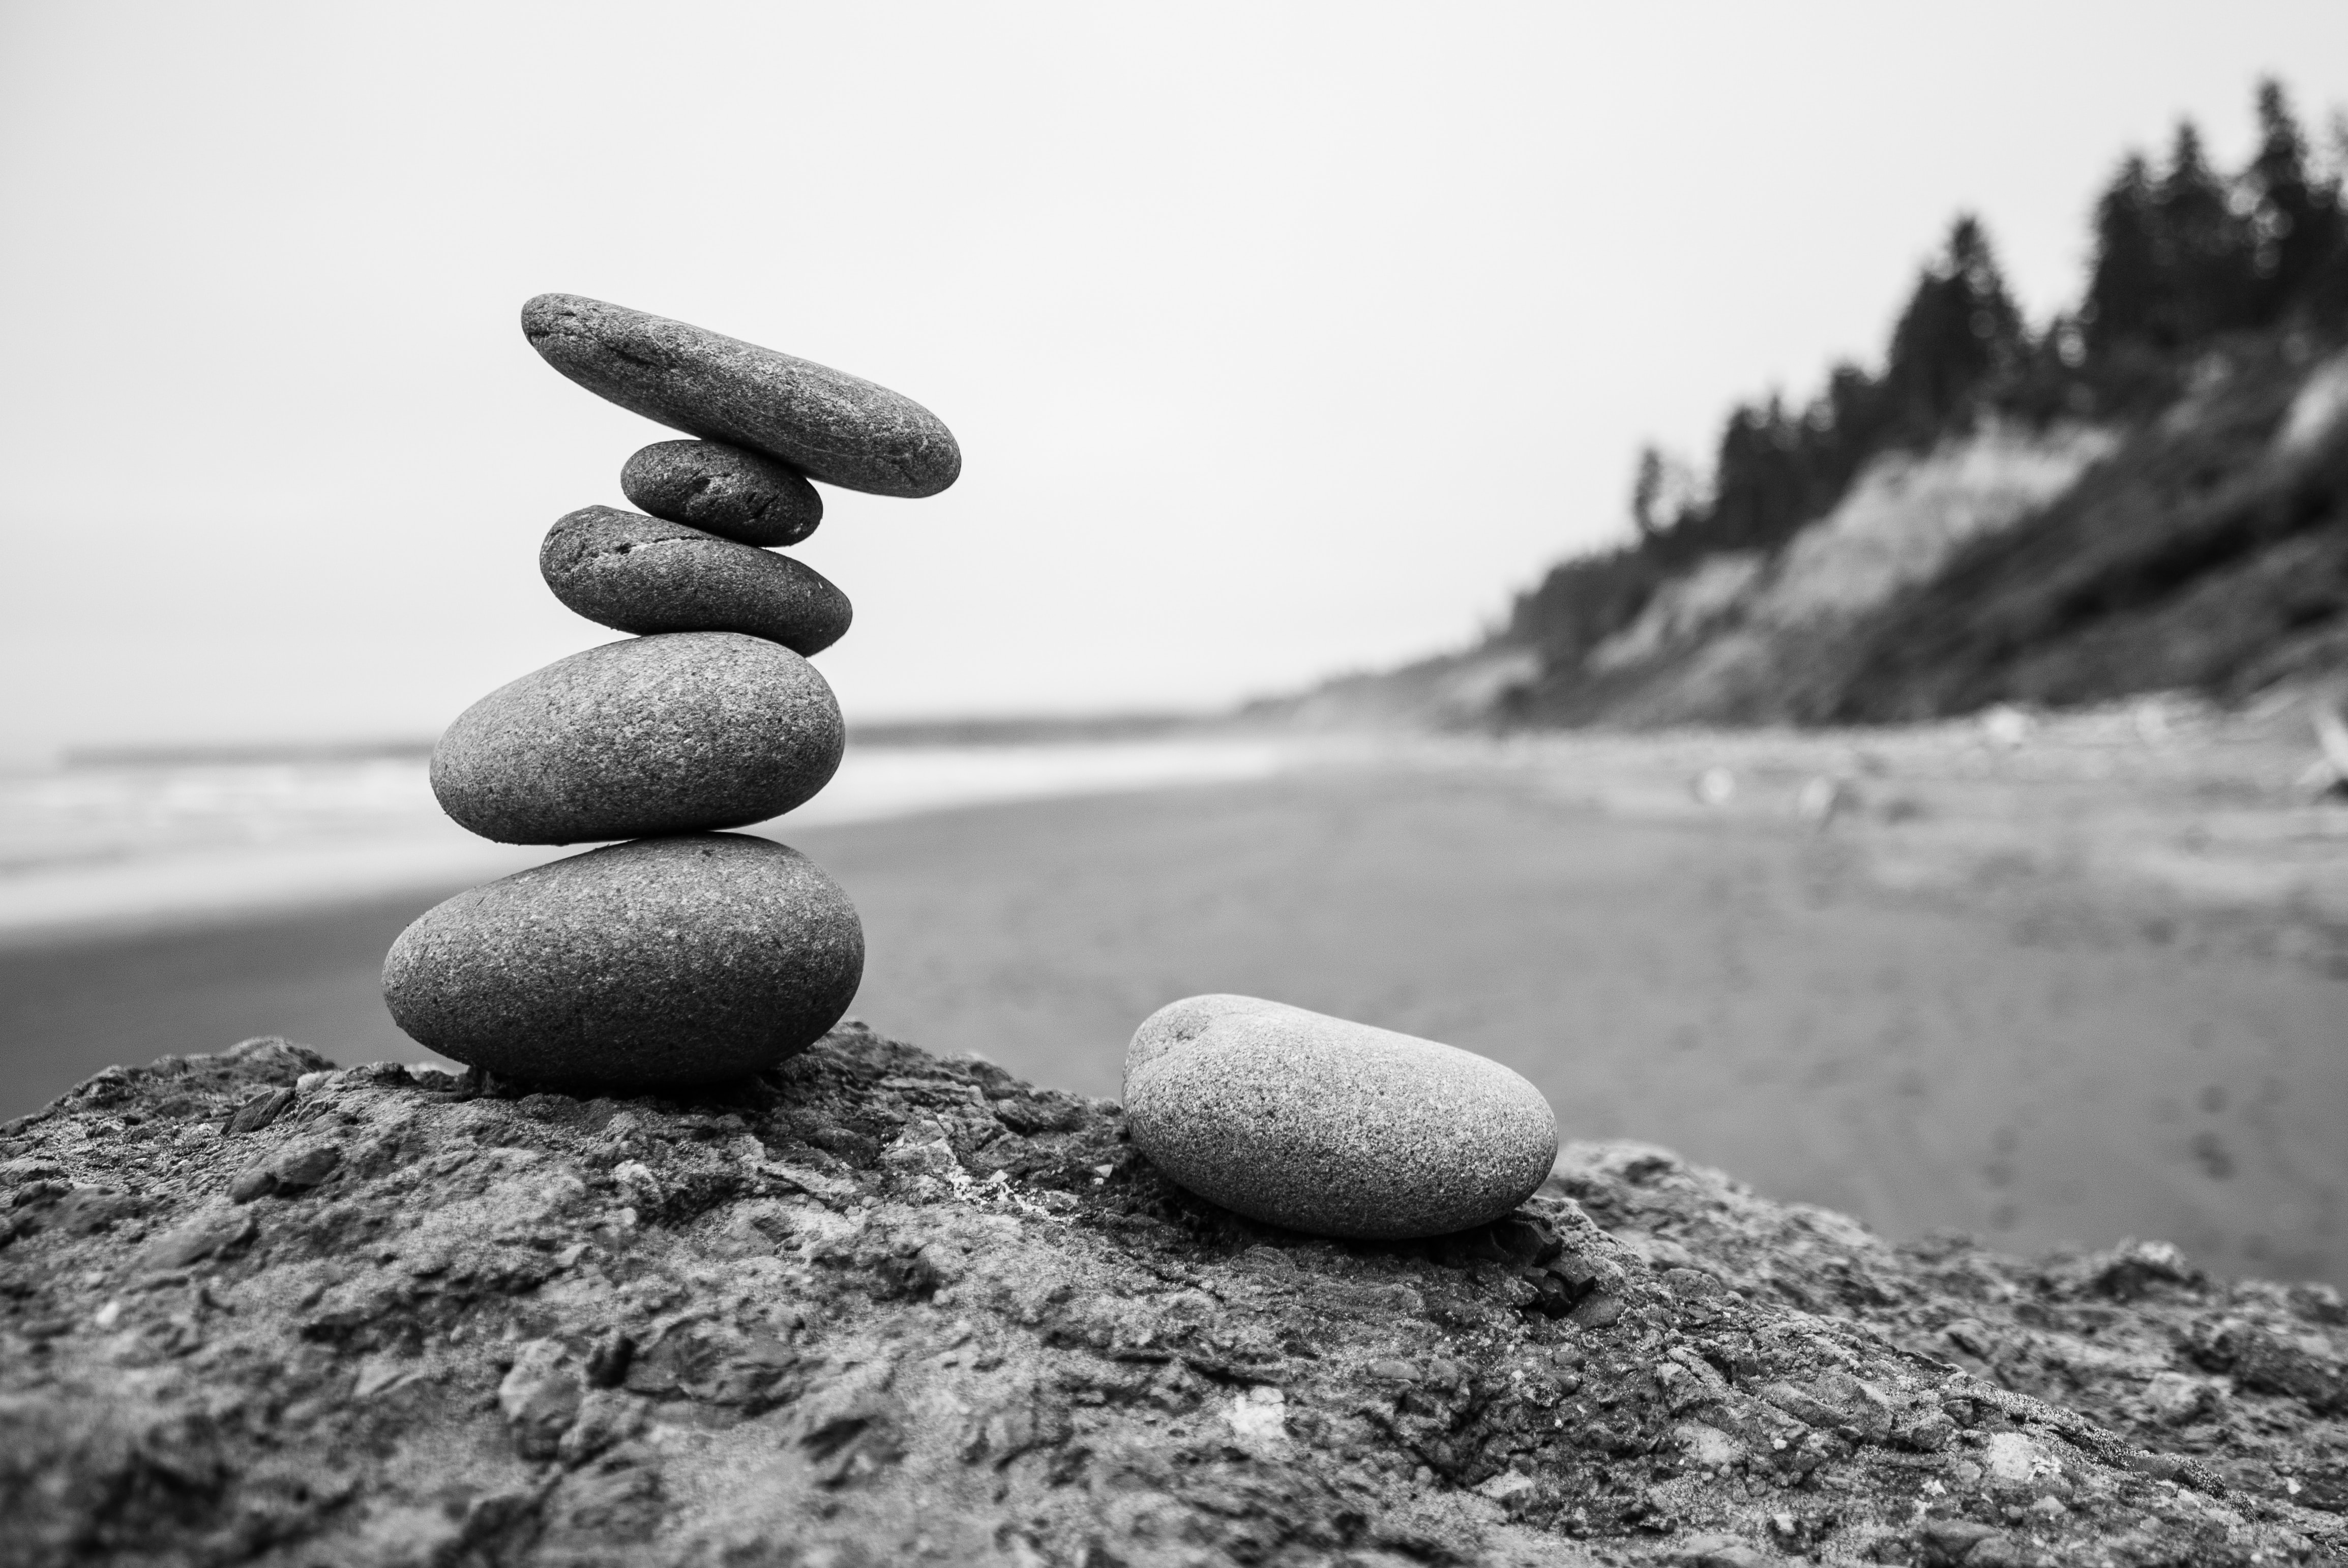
680, 733
1339, 1129
877, 1307
725, 489
827, 424
638, 574
658, 963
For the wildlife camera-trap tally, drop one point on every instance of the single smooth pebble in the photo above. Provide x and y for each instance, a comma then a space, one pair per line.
659, 963
709, 484
673, 734
639, 573
827, 424
1327, 1126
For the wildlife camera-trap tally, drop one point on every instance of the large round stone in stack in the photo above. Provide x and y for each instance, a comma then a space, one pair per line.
665, 962
674, 733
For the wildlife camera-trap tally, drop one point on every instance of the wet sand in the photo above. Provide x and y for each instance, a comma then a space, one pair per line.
69, 1008
2028, 1052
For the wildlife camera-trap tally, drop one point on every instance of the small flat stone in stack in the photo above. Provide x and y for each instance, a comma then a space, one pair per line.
687, 955
637, 573
725, 489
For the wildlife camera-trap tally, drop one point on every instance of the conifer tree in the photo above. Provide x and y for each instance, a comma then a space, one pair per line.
2204, 248
2289, 221
2299, 233
1960, 333
2124, 290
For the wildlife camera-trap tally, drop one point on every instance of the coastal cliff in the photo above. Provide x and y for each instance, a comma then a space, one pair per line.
884, 1306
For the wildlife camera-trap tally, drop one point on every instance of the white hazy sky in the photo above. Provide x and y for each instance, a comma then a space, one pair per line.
1280, 339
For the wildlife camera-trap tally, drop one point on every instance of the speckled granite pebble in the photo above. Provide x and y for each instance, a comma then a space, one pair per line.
1332, 1127
828, 425
642, 574
671, 733
660, 963
725, 489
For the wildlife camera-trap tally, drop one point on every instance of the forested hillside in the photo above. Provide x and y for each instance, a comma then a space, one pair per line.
2149, 491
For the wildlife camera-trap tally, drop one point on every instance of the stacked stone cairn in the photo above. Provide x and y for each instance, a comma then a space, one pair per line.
685, 954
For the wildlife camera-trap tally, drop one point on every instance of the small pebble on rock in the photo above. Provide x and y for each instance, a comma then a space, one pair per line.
828, 425
723, 489
293, 1171
660, 963
259, 1111
209, 1234
638, 574
1331, 1127
679, 733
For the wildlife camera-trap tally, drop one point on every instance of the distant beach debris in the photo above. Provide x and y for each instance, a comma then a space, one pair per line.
1824, 798
2007, 727
2328, 777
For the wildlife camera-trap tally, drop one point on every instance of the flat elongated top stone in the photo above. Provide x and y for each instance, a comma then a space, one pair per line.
674, 733
723, 489
1332, 1127
640, 574
652, 964
827, 424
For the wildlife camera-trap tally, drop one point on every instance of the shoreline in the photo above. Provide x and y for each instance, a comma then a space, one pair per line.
1859, 1016
130, 880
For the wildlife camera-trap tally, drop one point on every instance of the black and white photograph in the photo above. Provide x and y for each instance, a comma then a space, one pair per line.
1049, 785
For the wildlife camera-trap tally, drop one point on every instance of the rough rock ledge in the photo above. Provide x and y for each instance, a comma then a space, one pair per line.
883, 1307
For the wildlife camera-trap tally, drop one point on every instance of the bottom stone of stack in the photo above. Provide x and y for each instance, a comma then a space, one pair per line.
657, 963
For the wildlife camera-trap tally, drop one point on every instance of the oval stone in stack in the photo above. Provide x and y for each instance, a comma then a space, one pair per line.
709, 484
663, 962
827, 424
673, 734
638, 574
1323, 1125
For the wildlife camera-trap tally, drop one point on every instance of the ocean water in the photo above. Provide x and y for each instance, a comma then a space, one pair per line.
142, 843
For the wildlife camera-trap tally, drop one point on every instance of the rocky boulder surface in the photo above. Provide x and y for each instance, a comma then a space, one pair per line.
878, 1307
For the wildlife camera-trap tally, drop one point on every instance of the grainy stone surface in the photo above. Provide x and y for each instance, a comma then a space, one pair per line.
673, 734
877, 1307
641, 573
828, 425
1331, 1127
658, 963
723, 489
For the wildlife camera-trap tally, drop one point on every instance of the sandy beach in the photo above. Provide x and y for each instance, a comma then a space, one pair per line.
2086, 990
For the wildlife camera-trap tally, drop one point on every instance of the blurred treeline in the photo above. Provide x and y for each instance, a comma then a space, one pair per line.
2188, 261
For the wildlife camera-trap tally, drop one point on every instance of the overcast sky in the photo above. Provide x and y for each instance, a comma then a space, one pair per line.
1279, 340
